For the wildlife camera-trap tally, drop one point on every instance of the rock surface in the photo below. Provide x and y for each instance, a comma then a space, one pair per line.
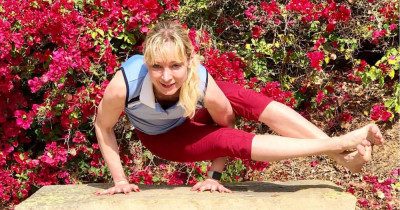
307, 194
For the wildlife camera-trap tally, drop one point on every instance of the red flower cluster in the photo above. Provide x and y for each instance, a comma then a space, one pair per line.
378, 34
361, 67
225, 66
142, 177
310, 11
248, 12
271, 8
379, 112
271, 89
316, 57
256, 31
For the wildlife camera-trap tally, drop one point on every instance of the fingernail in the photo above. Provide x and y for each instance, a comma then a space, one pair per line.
137, 190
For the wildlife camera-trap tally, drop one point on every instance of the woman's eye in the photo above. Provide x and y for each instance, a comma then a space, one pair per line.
156, 66
176, 65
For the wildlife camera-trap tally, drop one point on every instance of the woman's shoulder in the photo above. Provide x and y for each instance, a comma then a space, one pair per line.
115, 86
133, 61
134, 68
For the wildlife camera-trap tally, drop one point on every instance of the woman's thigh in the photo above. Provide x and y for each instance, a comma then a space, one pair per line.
194, 141
246, 103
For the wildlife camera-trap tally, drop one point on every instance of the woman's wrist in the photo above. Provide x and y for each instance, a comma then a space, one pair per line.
125, 181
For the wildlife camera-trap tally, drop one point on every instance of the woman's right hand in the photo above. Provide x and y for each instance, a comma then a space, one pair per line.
120, 187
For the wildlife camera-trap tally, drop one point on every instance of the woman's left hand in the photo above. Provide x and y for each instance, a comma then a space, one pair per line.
212, 185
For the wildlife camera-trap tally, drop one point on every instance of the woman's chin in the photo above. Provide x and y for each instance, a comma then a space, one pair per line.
169, 93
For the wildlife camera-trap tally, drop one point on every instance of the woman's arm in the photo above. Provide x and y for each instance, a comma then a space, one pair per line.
222, 113
218, 105
108, 112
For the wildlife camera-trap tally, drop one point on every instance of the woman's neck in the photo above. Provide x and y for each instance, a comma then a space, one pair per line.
165, 100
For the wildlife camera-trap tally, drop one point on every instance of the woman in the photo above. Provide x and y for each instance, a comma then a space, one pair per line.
159, 92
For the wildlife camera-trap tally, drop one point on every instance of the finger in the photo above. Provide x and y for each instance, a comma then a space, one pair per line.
205, 187
101, 192
111, 191
226, 189
222, 189
135, 188
196, 186
126, 190
368, 153
201, 189
117, 190
213, 188
361, 149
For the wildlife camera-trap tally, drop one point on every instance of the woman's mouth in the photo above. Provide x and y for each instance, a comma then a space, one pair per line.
167, 86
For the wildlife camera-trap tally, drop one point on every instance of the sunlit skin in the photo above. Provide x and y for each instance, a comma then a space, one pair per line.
168, 75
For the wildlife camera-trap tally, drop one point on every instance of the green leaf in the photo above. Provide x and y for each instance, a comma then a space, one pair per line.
389, 103
155, 179
94, 34
393, 51
100, 31
21, 156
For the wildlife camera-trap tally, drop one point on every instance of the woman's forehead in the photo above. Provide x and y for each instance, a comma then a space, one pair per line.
168, 53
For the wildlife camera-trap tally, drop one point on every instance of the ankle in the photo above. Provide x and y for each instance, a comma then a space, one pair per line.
337, 147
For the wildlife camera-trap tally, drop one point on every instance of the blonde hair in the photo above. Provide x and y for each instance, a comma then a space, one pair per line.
168, 31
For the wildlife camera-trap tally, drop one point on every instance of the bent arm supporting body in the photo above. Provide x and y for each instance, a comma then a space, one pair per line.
109, 110
218, 105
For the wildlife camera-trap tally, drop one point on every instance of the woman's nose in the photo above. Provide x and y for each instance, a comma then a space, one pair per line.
166, 75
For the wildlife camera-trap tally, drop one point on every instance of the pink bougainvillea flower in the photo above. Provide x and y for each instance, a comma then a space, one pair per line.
345, 117
192, 37
248, 12
256, 31
396, 172
320, 96
35, 84
24, 120
315, 58
330, 27
271, 8
393, 26
79, 137
319, 42
379, 112
363, 202
314, 163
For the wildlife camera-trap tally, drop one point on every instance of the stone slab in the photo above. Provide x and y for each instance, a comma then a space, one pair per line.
298, 195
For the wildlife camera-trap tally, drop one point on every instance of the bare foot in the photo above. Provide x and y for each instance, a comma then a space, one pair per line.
369, 132
354, 160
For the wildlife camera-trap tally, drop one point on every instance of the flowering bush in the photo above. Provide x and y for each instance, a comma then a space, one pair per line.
57, 57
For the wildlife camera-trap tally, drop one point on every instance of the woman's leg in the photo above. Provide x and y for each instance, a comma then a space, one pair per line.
273, 148
287, 122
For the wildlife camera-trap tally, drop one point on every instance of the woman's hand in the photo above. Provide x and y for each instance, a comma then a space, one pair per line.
210, 184
120, 187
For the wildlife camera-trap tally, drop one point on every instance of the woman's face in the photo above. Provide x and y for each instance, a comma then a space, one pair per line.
168, 73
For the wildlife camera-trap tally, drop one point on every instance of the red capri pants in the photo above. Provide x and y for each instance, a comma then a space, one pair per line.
200, 139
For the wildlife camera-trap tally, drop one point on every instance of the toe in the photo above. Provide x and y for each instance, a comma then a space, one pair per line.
368, 153
361, 149
366, 143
